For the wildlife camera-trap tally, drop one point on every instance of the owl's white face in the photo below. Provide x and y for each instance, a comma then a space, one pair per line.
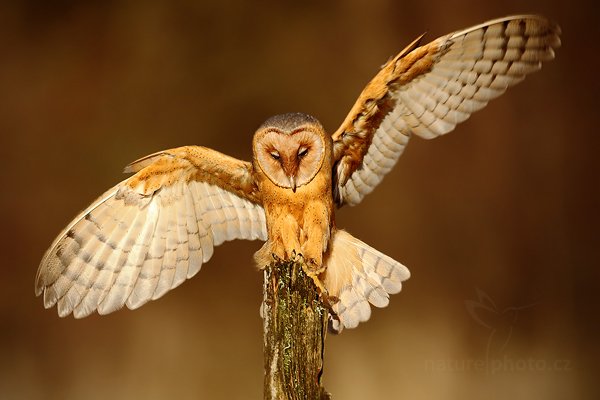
290, 159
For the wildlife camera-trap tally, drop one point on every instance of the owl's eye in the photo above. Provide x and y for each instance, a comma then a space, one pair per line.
303, 151
275, 155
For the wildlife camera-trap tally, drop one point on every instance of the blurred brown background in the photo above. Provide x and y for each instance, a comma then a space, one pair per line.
506, 208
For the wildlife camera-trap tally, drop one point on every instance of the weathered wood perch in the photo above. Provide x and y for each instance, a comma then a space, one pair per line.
295, 326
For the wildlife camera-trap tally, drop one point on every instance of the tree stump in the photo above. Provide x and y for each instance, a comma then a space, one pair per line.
295, 327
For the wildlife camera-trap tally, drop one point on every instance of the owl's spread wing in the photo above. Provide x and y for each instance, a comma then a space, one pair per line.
151, 232
359, 275
428, 90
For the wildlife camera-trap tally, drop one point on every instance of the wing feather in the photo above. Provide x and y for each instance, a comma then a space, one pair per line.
151, 232
166, 270
114, 264
357, 275
183, 244
428, 90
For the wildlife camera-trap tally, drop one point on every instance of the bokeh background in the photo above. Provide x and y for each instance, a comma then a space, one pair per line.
497, 221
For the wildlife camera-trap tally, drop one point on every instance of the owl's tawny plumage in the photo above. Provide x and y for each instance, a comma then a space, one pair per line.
155, 229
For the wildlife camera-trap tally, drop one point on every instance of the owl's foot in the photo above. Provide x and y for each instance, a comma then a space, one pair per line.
276, 258
313, 260
313, 251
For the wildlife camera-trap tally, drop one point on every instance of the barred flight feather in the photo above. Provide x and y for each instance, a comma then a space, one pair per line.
357, 275
428, 90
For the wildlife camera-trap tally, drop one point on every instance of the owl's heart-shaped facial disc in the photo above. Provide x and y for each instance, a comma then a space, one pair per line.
290, 154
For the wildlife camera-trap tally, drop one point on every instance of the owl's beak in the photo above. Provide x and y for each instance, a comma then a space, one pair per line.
292, 179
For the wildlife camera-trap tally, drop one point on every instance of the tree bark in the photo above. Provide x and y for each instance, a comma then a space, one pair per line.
295, 327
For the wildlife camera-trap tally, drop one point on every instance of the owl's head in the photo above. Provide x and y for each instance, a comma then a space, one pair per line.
290, 149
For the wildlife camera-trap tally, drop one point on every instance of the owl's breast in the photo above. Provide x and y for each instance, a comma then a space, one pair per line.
282, 203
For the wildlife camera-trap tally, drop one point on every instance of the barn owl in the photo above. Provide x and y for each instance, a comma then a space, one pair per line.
155, 229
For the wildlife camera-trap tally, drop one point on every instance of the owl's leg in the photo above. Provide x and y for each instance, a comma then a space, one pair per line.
316, 235
283, 243
289, 235
315, 239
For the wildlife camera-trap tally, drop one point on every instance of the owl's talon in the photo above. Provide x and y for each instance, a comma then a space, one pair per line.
300, 258
296, 257
313, 266
328, 301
